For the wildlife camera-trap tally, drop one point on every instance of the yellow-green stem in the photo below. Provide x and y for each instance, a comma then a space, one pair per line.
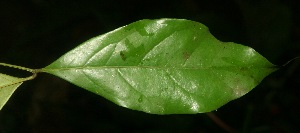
18, 67
33, 71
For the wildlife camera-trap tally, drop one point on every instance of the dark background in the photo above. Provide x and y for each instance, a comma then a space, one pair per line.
33, 33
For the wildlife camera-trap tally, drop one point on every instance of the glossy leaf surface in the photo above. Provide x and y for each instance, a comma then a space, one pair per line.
8, 85
165, 66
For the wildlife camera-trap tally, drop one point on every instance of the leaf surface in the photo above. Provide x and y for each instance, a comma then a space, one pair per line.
8, 85
165, 66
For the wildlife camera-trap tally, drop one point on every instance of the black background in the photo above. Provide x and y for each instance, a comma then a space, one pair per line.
33, 33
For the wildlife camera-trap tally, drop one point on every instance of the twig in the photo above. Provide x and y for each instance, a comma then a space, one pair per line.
220, 123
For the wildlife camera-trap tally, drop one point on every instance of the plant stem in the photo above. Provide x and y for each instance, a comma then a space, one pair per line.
18, 67
33, 71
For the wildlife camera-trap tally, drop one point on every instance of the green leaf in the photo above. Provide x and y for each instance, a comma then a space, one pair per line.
165, 66
8, 85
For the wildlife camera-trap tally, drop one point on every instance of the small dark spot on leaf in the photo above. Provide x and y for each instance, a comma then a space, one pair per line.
140, 99
123, 56
186, 55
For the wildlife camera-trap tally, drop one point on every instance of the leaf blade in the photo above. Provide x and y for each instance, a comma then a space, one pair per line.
163, 66
8, 85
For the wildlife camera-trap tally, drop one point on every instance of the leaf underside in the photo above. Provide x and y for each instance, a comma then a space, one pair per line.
8, 85
164, 66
